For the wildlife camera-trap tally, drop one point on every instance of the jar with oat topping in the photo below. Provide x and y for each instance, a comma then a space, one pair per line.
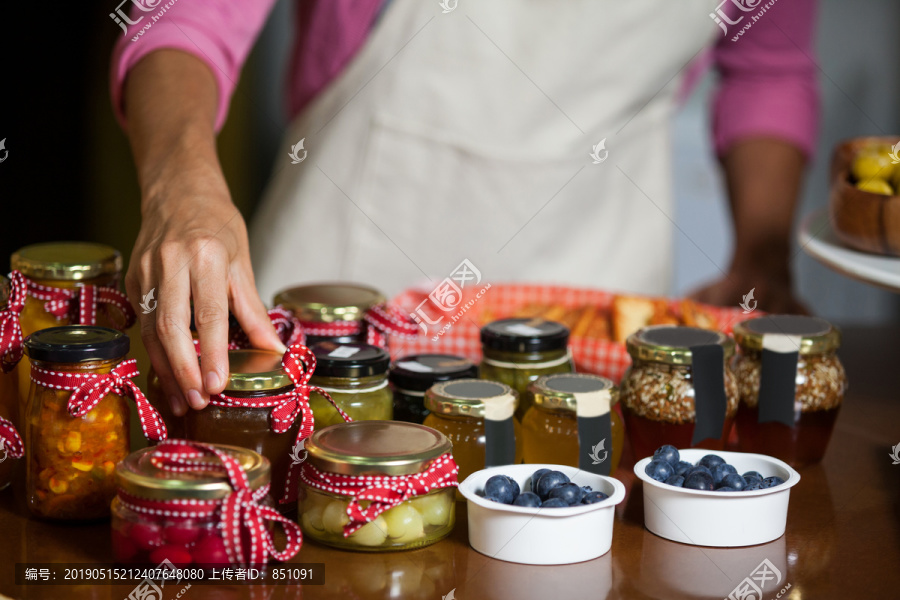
679, 389
791, 384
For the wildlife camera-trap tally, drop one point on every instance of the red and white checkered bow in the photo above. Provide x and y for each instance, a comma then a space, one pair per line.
378, 322
10, 440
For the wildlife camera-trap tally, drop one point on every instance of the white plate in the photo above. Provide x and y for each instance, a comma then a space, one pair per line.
723, 519
541, 536
817, 238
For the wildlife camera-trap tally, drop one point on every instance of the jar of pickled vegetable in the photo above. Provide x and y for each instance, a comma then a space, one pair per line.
200, 505
679, 390
69, 283
518, 351
477, 418
411, 376
572, 423
403, 470
355, 376
791, 385
77, 426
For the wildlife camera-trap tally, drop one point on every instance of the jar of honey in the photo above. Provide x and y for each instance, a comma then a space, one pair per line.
355, 376
371, 459
477, 418
791, 385
77, 427
331, 312
516, 352
175, 502
245, 414
679, 390
411, 376
69, 283
572, 423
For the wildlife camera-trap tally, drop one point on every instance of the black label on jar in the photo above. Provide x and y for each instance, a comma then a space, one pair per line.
499, 443
777, 380
594, 444
710, 402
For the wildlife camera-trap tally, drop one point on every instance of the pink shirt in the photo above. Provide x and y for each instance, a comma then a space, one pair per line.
768, 76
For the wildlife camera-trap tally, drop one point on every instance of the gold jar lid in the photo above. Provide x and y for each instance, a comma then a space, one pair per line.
671, 344
329, 302
560, 391
67, 261
816, 334
138, 476
375, 448
465, 397
255, 371
4, 292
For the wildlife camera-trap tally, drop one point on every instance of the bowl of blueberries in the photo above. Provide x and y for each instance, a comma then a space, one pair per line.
541, 514
722, 499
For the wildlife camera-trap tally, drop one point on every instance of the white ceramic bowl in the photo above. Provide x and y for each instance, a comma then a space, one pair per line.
723, 519
541, 536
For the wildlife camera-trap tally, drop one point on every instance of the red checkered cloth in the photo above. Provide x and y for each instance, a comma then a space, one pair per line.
602, 357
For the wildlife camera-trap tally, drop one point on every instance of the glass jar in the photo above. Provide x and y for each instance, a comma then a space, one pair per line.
355, 376
371, 449
794, 360
143, 533
71, 460
459, 409
411, 376
518, 351
254, 375
668, 397
331, 312
9, 387
64, 265
571, 410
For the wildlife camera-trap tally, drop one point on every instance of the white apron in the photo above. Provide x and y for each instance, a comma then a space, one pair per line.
467, 135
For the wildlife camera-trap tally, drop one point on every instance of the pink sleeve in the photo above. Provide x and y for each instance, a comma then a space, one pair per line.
218, 32
768, 77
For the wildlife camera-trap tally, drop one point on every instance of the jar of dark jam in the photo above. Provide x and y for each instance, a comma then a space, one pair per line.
791, 385
679, 389
517, 352
330, 312
411, 376
355, 376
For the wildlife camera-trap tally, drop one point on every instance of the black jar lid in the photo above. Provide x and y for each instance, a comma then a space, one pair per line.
76, 343
524, 335
419, 372
349, 360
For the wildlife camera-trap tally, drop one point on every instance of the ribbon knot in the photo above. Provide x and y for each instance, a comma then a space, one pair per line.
10, 442
90, 388
80, 304
287, 327
378, 323
10, 324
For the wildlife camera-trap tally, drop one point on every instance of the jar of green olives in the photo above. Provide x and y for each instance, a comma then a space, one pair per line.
519, 351
355, 376
411, 376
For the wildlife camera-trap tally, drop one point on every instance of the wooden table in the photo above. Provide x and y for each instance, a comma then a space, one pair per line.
842, 540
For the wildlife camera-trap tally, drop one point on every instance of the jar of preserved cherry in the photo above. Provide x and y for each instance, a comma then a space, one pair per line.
77, 428
679, 390
377, 485
355, 376
572, 423
519, 351
411, 376
791, 385
196, 505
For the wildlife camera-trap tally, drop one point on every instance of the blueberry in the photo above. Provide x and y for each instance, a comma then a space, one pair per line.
754, 485
676, 480
570, 492
698, 481
727, 488
697, 469
548, 481
501, 488
710, 461
668, 453
772, 481
554, 503
594, 497
587, 489
720, 471
732, 480
683, 467
493, 498
535, 476
659, 469
752, 475
528, 499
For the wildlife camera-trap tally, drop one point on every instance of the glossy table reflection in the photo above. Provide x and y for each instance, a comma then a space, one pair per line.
842, 540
